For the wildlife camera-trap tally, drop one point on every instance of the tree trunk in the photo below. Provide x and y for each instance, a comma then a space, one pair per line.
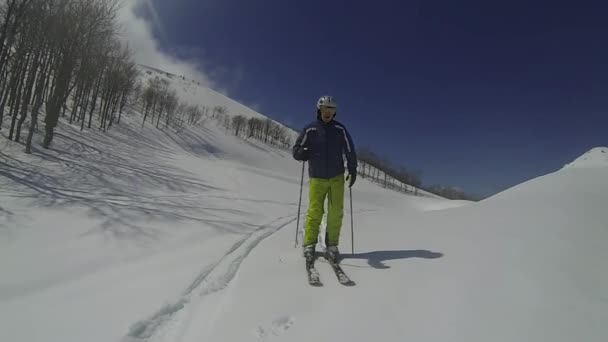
30, 134
9, 37
57, 99
5, 25
94, 101
113, 111
12, 86
83, 110
106, 109
42, 80
42, 77
29, 88
17, 102
123, 102
145, 117
4, 98
103, 104
76, 101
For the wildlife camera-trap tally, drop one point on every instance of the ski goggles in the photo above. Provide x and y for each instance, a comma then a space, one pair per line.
331, 110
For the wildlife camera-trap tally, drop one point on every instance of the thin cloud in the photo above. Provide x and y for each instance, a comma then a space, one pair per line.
138, 34
158, 24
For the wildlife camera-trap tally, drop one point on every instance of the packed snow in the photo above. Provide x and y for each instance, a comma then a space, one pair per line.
142, 234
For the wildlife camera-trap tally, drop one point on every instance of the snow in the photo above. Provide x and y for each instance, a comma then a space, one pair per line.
595, 157
529, 267
152, 235
192, 93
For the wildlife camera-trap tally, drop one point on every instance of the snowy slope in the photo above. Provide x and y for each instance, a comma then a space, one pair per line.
86, 228
595, 157
149, 235
192, 93
526, 265
103, 229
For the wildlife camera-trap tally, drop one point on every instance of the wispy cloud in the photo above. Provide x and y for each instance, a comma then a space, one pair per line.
158, 24
139, 34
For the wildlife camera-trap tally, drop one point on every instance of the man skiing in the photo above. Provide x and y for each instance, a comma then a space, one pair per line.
323, 143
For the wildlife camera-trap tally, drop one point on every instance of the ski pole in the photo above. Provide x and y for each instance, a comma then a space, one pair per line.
352, 230
300, 204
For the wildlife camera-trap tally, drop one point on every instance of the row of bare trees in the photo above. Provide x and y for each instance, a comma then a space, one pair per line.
65, 55
382, 170
161, 102
375, 164
264, 130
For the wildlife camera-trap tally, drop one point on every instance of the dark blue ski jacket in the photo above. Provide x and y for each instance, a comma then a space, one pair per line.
324, 146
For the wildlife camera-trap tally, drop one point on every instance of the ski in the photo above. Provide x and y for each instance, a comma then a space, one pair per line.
342, 277
313, 274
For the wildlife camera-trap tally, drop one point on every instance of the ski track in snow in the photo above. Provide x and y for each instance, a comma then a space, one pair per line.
211, 280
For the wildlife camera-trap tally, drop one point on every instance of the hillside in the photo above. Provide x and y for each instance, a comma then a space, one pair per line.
208, 101
193, 93
104, 227
147, 234
139, 206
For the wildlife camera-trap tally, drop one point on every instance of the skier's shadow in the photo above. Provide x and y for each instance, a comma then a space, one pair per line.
376, 259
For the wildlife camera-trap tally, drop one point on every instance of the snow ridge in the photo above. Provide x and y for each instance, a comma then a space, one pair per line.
596, 157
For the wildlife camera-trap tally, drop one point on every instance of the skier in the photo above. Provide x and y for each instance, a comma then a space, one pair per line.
323, 143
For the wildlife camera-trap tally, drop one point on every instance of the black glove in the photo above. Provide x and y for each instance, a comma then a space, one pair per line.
352, 178
301, 153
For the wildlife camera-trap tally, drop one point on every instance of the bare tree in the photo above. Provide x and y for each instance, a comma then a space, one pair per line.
151, 97
268, 125
255, 128
63, 54
72, 34
129, 88
238, 122
171, 103
12, 22
226, 122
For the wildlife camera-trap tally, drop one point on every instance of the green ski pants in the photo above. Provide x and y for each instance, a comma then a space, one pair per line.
319, 189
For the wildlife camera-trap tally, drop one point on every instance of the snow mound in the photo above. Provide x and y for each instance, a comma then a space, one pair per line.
528, 265
596, 157
435, 204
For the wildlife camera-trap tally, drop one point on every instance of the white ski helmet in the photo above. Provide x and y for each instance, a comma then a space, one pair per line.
328, 101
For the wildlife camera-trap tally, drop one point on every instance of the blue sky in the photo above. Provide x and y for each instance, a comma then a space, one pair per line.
476, 94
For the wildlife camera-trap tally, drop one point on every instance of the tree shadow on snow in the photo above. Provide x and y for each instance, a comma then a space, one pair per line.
196, 144
123, 178
376, 259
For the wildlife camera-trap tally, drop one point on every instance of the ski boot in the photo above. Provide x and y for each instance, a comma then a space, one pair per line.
310, 257
309, 253
332, 254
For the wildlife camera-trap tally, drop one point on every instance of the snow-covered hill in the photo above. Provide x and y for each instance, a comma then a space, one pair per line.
595, 157
193, 93
142, 234
527, 265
